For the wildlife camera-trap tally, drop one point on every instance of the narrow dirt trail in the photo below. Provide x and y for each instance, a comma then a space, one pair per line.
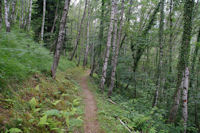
91, 124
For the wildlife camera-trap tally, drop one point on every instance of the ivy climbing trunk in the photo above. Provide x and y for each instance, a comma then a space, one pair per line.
183, 57
160, 62
79, 32
43, 20
61, 36
116, 51
107, 53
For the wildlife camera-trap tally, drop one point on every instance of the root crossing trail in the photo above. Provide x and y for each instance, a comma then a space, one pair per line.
91, 124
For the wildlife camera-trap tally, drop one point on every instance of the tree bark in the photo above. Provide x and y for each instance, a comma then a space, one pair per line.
61, 36
160, 62
107, 53
29, 16
88, 40
183, 57
185, 98
171, 35
101, 32
79, 32
12, 16
22, 14
6, 15
116, 51
43, 20
0, 14
55, 18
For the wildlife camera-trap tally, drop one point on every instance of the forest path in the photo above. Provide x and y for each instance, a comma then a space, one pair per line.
91, 124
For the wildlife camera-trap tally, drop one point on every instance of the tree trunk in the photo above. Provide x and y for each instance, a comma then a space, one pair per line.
194, 58
185, 98
22, 14
160, 62
107, 53
171, 35
29, 16
79, 32
184, 55
55, 18
61, 36
88, 40
12, 17
101, 32
43, 20
116, 51
6, 15
128, 21
26, 12
0, 14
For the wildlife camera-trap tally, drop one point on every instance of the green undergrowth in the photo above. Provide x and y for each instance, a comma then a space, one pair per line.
43, 105
30, 100
21, 57
129, 112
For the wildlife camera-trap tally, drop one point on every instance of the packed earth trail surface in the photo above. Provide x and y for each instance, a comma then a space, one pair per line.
91, 124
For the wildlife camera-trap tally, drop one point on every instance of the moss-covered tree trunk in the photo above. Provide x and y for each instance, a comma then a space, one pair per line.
160, 62
183, 57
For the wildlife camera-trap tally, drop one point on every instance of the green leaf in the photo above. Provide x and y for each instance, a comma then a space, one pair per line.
43, 121
53, 112
33, 102
56, 102
15, 130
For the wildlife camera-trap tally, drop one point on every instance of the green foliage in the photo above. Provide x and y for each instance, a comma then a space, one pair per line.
21, 57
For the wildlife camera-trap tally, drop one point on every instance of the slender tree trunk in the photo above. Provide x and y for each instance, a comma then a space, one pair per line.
171, 35
43, 20
12, 16
107, 54
26, 12
61, 36
22, 14
88, 40
0, 14
29, 16
116, 51
184, 56
79, 32
194, 58
55, 18
185, 98
101, 32
6, 15
128, 21
160, 63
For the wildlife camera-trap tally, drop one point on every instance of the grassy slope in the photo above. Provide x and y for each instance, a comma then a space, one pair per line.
30, 101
